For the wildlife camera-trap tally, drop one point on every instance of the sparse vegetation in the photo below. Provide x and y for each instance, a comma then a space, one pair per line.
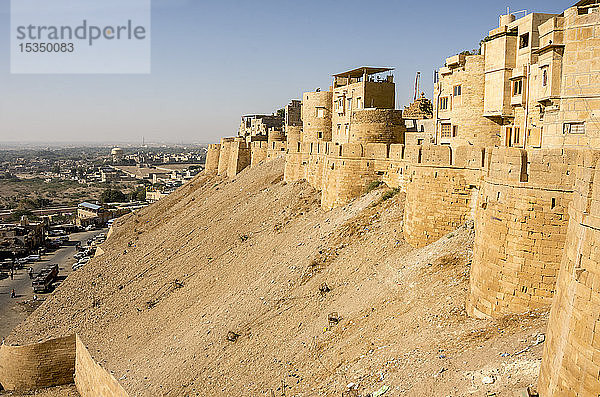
373, 185
389, 194
112, 196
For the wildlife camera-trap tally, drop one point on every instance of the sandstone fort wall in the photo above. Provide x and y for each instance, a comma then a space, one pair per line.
91, 379
520, 229
36, 366
571, 360
239, 157
56, 362
224, 156
258, 153
212, 158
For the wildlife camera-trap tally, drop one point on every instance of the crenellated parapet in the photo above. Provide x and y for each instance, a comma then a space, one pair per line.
212, 158
258, 152
239, 156
224, 155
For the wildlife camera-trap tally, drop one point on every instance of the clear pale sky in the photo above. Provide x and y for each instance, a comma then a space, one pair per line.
213, 61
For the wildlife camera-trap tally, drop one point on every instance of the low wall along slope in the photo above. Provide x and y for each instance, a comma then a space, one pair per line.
36, 366
91, 379
56, 362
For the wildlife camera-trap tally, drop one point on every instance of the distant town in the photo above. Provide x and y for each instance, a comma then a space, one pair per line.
47, 193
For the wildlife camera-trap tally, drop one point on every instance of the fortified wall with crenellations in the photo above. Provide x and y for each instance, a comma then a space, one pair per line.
513, 149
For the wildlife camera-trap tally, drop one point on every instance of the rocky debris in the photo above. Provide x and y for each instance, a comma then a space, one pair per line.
324, 289
232, 336
334, 318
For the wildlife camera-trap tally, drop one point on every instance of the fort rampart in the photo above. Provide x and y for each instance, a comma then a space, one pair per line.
571, 361
212, 158
517, 200
520, 230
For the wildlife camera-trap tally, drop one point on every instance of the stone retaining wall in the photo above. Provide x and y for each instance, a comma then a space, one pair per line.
39, 365
91, 379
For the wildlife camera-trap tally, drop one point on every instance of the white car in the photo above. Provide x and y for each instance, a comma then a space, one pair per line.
78, 266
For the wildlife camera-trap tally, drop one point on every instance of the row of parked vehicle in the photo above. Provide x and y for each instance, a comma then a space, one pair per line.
19, 262
85, 253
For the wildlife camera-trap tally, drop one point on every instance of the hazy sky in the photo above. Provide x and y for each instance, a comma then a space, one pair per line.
215, 60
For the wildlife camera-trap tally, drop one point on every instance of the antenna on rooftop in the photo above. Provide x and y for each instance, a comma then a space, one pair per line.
515, 12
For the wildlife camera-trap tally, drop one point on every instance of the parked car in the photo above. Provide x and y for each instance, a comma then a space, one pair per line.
33, 258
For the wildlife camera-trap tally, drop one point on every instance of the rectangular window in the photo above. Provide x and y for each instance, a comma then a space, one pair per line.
454, 131
359, 103
574, 128
349, 103
339, 128
320, 112
544, 77
444, 103
518, 87
524, 40
457, 91
446, 131
517, 132
320, 134
346, 128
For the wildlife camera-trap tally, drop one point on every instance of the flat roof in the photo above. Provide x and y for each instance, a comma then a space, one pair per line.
359, 72
90, 206
585, 3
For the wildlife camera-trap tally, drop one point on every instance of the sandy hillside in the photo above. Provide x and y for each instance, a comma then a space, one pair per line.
258, 257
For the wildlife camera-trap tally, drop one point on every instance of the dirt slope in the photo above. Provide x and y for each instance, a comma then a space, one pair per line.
251, 256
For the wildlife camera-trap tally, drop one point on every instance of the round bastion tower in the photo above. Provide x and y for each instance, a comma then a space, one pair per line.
377, 126
316, 116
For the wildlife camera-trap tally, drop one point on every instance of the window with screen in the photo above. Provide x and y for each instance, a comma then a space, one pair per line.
446, 131
574, 128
